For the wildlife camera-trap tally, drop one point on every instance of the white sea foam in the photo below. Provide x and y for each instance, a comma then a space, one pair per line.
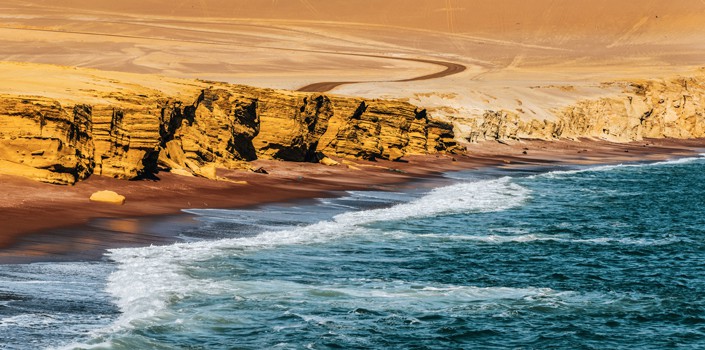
628, 241
676, 161
391, 295
33, 320
493, 238
462, 294
386, 298
480, 196
149, 278
381, 196
526, 238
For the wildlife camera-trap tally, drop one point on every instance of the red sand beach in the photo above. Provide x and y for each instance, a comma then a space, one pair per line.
42, 222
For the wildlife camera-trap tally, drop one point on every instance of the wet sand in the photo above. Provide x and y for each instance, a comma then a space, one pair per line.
42, 222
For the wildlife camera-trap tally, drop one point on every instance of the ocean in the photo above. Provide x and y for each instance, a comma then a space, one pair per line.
589, 257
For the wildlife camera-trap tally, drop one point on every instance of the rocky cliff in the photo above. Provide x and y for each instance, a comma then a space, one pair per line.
225, 126
127, 130
671, 108
42, 140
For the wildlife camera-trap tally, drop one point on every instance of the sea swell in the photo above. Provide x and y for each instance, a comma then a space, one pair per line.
149, 279
627, 166
563, 259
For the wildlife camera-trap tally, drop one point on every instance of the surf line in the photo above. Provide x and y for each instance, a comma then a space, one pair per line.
450, 69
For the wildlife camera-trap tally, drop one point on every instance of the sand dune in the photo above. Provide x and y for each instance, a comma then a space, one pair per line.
507, 46
540, 20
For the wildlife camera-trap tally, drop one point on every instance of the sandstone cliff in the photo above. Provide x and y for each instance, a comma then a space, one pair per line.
44, 141
672, 108
225, 126
128, 130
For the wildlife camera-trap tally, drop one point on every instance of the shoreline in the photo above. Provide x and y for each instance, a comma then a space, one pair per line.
45, 223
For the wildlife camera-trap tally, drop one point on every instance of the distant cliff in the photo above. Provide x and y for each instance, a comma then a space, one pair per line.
671, 108
224, 126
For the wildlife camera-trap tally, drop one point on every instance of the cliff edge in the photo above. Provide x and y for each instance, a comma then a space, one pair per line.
135, 132
129, 126
639, 109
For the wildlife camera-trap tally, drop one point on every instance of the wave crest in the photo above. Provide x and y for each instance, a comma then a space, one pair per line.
148, 277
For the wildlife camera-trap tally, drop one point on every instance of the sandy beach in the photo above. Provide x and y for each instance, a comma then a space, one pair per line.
43, 222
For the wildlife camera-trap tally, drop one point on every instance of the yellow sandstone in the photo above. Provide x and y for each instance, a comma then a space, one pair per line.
109, 197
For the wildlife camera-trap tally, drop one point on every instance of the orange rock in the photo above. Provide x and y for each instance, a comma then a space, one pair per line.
109, 197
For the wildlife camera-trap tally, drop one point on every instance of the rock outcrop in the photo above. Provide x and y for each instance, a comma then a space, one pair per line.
125, 144
215, 131
225, 126
648, 109
672, 108
42, 140
130, 134
292, 126
385, 130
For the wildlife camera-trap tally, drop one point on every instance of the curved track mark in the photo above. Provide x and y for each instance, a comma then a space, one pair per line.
450, 69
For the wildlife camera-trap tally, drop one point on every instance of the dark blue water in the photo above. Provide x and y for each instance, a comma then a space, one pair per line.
607, 257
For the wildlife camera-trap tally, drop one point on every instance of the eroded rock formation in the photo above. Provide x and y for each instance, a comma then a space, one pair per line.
209, 125
215, 131
225, 126
673, 108
42, 140
381, 129
292, 126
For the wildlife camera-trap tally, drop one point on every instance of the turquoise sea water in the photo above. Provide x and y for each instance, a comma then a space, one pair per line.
591, 258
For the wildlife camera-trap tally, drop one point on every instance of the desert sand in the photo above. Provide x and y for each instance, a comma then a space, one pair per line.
506, 46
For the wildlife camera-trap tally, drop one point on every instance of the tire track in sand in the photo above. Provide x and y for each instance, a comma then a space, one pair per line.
450, 69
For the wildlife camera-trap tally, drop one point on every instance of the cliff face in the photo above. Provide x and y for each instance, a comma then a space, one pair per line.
225, 126
672, 108
215, 131
44, 141
292, 127
380, 129
296, 129
134, 132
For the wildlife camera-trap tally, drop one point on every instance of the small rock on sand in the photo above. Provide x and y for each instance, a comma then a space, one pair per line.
108, 197
329, 162
181, 172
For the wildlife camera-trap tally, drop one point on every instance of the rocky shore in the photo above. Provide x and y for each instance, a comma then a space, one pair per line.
45, 222
202, 144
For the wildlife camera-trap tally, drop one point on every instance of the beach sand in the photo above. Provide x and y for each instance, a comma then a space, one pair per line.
530, 57
44, 222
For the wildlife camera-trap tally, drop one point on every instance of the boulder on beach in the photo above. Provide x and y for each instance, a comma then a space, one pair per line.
328, 161
181, 172
108, 197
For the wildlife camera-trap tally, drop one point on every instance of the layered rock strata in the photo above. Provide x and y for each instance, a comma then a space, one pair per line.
42, 140
378, 129
673, 108
213, 125
225, 126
